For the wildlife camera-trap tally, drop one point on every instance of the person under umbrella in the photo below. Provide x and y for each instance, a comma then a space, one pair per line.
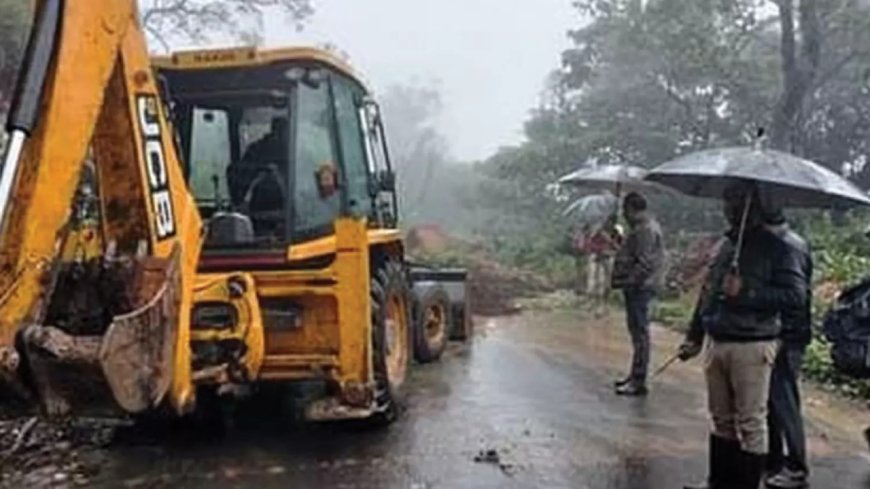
787, 454
756, 275
639, 271
601, 247
594, 241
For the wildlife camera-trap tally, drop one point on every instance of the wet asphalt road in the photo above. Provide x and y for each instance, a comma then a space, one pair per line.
536, 388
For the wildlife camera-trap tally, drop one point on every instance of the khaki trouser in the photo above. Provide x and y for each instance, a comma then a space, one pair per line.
598, 271
738, 386
580, 265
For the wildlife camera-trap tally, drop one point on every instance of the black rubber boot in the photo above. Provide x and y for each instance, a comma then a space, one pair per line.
750, 471
722, 464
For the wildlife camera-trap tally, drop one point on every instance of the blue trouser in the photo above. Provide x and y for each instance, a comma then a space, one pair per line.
784, 419
637, 303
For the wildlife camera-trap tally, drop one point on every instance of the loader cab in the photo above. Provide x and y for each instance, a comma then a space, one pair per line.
277, 146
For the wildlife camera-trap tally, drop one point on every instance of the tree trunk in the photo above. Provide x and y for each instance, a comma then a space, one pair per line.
799, 70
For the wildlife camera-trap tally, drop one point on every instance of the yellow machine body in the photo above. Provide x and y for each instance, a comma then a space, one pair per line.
177, 313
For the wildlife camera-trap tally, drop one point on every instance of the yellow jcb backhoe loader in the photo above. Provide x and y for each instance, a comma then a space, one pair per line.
238, 227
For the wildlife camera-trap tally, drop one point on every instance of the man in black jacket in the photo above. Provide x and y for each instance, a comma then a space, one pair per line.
638, 270
739, 312
789, 468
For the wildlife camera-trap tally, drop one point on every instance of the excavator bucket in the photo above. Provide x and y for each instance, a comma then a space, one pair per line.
128, 367
107, 331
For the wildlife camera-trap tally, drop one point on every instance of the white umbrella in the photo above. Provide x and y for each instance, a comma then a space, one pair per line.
593, 209
613, 178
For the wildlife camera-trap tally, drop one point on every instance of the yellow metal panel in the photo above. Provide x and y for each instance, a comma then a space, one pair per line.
215, 288
298, 367
319, 331
186, 225
249, 56
354, 300
384, 236
312, 249
53, 157
327, 245
116, 149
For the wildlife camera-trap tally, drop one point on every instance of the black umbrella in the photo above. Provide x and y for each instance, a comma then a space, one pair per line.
784, 178
781, 178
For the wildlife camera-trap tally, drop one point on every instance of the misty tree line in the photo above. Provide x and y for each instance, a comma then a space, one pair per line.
645, 81
642, 82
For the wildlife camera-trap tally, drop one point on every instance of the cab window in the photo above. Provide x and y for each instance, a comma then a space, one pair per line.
210, 155
316, 197
353, 149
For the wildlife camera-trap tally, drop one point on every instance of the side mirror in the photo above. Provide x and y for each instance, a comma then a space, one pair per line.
387, 181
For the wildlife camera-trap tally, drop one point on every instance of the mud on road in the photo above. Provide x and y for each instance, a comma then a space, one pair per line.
527, 404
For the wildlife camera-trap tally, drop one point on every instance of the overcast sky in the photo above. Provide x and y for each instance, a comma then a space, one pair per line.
489, 57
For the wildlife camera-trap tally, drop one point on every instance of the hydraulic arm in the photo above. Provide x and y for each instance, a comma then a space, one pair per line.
87, 94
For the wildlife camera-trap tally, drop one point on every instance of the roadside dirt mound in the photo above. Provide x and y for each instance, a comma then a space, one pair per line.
428, 239
689, 266
494, 287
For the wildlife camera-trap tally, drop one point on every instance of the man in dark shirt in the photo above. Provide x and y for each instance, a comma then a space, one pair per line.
639, 270
253, 169
789, 468
739, 313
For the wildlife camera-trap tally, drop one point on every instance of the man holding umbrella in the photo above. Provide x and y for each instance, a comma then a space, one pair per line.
756, 275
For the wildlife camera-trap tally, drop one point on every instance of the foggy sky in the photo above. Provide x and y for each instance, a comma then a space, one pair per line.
489, 57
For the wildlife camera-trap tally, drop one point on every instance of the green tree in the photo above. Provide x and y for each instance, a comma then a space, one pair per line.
198, 20
14, 25
645, 81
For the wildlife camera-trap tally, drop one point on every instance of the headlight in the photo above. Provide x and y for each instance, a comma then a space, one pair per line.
214, 315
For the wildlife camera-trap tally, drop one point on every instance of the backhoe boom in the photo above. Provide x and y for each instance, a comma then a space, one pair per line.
87, 93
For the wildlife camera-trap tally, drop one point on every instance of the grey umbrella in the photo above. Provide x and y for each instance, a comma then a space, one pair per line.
781, 177
615, 178
593, 209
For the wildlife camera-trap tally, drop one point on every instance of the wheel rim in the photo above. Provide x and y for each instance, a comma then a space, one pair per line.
397, 340
435, 323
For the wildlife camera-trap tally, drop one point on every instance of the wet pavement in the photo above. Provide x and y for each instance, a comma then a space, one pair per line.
528, 404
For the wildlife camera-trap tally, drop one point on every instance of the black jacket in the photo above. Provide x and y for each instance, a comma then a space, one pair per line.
774, 280
797, 323
640, 261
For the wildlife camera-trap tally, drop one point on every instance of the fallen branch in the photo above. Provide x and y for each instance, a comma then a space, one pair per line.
22, 435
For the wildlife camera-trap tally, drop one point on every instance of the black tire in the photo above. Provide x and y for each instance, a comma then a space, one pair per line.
433, 324
389, 288
463, 325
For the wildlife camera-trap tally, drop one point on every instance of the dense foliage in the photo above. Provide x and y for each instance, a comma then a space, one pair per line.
645, 81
